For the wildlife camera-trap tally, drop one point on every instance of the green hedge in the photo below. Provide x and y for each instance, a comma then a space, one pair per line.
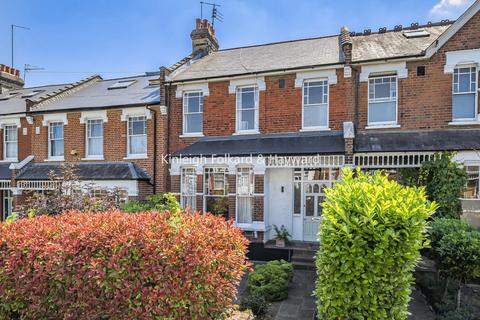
271, 280
158, 202
370, 237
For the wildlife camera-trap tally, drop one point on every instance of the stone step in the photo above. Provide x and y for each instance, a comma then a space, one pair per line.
303, 265
305, 257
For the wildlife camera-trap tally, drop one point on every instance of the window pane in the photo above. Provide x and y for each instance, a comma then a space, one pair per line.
138, 144
463, 106
193, 123
217, 205
138, 127
464, 82
315, 116
95, 146
246, 120
382, 112
309, 206
56, 131
11, 133
11, 150
296, 197
248, 98
316, 94
244, 209
56, 148
194, 102
95, 128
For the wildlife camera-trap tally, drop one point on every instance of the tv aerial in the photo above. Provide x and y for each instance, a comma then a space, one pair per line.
216, 14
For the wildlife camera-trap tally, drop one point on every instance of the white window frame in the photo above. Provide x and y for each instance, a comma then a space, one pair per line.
248, 194
5, 142
185, 113
313, 128
136, 155
459, 66
87, 139
256, 109
214, 170
184, 191
50, 156
382, 123
469, 176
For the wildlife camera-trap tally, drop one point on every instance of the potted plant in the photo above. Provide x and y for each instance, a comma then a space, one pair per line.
282, 236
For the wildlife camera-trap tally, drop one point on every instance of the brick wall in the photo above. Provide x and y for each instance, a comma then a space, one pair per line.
425, 102
114, 143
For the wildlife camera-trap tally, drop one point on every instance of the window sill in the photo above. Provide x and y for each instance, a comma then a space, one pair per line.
136, 157
54, 159
254, 226
315, 129
191, 135
464, 123
382, 126
8, 160
240, 133
93, 158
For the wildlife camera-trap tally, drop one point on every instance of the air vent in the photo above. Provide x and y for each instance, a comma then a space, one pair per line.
421, 71
122, 84
416, 33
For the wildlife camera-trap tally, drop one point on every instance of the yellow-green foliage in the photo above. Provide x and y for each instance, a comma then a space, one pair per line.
370, 237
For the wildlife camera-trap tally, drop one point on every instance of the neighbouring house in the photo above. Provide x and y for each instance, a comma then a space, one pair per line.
256, 133
111, 129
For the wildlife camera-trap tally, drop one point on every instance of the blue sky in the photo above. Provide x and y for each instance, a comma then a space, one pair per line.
72, 39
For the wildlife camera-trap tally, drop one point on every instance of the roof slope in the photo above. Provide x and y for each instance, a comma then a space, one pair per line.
306, 53
17, 104
393, 44
275, 56
98, 95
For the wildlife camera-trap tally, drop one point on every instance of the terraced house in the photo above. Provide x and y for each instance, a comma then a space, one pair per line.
111, 129
256, 133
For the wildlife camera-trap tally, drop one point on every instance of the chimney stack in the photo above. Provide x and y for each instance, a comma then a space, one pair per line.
346, 44
9, 79
203, 39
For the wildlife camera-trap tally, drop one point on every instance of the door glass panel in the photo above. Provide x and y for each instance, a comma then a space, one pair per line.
319, 205
316, 188
309, 206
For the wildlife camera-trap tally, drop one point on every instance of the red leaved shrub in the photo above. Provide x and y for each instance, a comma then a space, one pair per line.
114, 265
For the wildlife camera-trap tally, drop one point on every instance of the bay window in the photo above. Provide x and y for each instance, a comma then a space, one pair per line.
10, 142
137, 136
464, 97
55, 140
188, 188
94, 138
315, 104
245, 188
247, 109
216, 191
382, 100
193, 112
471, 189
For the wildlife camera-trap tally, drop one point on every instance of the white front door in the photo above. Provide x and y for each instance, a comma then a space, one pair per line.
312, 209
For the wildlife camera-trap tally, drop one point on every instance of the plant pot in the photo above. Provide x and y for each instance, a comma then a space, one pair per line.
280, 243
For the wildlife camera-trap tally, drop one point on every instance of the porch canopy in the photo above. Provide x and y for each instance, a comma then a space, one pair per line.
5, 172
298, 143
422, 141
86, 171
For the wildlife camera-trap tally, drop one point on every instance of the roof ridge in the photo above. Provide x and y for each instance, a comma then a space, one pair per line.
399, 27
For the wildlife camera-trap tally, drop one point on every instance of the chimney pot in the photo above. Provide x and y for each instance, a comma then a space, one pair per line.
203, 38
9, 78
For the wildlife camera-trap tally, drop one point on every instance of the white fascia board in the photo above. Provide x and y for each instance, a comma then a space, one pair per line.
181, 88
256, 81
330, 74
54, 117
461, 57
94, 115
400, 68
135, 112
453, 29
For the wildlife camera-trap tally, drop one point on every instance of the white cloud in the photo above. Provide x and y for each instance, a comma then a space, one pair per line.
450, 8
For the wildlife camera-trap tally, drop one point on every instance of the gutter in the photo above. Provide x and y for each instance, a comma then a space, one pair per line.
92, 108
